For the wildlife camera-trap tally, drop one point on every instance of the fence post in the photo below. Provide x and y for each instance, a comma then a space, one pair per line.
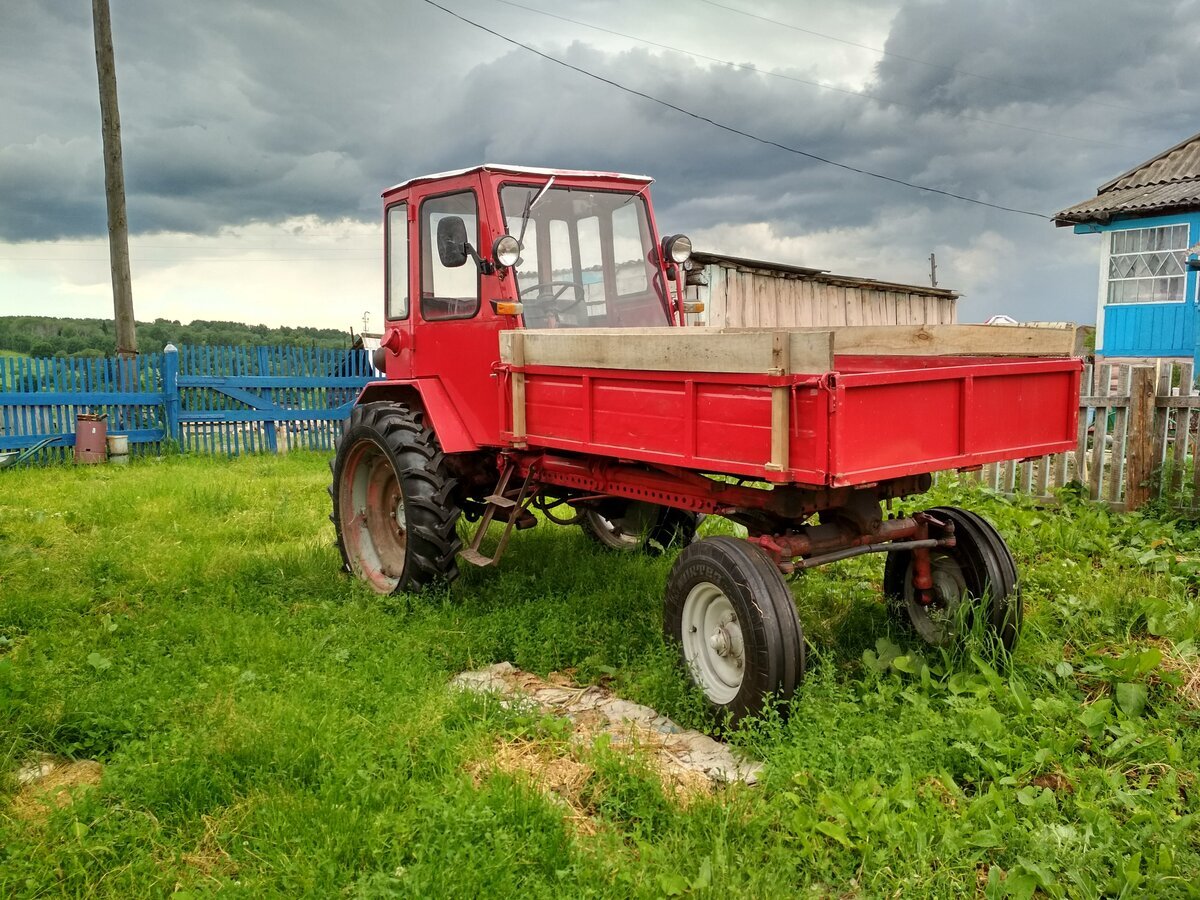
170, 378
1139, 467
268, 426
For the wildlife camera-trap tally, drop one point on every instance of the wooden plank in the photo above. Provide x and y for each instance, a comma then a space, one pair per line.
1010, 476
517, 356
953, 340
781, 355
1183, 427
1099, 435
668, 349
1085, 384
1140, 458
1162, 415
1116, 483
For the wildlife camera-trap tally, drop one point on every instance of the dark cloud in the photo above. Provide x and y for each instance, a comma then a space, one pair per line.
236, 113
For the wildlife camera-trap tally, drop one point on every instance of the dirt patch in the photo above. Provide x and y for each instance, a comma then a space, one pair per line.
50, 783
687, 764
551, 769
1055, 781
687, 760
1187, 668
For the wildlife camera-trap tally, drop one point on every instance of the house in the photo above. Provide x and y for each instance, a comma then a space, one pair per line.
739, 293
1149, 223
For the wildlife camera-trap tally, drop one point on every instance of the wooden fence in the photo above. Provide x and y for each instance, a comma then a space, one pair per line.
205, 399
1137, 441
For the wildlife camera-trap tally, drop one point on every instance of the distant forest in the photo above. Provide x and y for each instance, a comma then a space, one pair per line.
48, 336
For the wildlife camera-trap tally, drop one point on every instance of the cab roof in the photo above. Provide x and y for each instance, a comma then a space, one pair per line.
518, 170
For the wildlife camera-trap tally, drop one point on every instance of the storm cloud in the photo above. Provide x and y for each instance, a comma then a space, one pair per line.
238, 114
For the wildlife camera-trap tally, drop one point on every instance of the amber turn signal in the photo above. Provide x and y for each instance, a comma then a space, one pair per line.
693, 307
504, 308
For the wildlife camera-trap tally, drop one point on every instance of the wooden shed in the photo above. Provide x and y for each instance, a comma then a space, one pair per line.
739, 292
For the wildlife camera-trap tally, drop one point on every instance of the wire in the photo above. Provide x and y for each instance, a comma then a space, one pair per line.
731, 129
817, 84
882, 52
187, 259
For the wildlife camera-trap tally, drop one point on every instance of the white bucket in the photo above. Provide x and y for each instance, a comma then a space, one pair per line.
118, 448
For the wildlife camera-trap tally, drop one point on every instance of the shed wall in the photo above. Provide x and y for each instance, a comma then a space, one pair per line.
738, 297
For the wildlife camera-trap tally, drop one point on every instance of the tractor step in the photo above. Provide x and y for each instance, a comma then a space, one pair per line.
501, 507
475, 558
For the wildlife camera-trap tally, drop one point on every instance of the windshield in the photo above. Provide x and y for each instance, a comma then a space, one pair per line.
586, 258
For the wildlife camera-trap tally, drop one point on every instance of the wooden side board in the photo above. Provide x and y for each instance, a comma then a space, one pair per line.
951, 340
668, 349
712, 349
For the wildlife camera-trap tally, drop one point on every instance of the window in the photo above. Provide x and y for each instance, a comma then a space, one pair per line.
1146, 265
630, 235
397, 261
448, 293
587, 257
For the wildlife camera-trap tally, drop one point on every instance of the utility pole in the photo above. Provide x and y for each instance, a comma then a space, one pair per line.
932, 270
114, 183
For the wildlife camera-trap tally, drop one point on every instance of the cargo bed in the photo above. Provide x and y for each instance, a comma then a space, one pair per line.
821, 407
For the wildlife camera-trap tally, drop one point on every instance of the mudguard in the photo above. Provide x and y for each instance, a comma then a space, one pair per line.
429, 396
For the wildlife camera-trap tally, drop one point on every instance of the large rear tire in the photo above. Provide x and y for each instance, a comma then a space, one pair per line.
393, 505
733, 618
978, 571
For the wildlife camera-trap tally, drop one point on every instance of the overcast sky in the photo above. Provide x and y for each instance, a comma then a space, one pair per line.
258, 137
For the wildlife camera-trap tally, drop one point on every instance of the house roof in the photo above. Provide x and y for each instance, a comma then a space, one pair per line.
1167, 182
706, 258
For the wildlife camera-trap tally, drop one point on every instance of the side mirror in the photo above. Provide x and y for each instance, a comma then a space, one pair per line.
452, 241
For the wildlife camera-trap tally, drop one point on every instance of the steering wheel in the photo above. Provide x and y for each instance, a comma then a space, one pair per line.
551, 299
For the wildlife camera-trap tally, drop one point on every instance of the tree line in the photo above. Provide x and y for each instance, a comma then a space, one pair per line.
50, 336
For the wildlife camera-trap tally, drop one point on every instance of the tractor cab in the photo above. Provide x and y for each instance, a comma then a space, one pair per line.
496, 247
475, 252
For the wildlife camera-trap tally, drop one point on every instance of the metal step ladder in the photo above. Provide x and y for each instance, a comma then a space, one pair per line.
515, 515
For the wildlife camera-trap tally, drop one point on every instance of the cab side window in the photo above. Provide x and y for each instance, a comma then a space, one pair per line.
397, 261
448, 292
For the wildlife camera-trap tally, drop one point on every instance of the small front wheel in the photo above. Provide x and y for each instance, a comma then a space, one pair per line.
973, 581
730, 612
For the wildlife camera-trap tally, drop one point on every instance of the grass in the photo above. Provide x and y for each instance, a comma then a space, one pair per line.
264, 722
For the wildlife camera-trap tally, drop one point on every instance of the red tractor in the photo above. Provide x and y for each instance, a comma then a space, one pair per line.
538, 360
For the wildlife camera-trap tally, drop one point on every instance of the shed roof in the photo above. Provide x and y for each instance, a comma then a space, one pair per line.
706, 258
1167, 182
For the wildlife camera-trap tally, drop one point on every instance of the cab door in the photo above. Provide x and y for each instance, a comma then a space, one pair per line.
455, 338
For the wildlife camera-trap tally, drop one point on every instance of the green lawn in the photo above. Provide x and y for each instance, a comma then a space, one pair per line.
263, 722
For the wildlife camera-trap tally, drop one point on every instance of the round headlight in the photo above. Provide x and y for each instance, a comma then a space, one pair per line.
506, 251
677, 248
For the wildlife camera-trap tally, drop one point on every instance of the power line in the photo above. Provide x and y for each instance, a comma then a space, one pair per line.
731, 129
191, 259
817, 84
894, 55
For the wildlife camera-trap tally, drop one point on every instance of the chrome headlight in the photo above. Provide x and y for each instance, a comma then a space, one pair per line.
677, 248
506, 251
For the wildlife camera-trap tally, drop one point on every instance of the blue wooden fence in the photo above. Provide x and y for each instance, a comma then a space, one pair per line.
205, 399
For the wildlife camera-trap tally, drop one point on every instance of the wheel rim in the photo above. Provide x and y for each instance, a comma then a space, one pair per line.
938, 623
712, 642
625, 532
372, 513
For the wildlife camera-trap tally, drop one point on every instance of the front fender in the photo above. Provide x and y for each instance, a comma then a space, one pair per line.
427, 395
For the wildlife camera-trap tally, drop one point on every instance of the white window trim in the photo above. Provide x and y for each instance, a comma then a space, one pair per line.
1105, 280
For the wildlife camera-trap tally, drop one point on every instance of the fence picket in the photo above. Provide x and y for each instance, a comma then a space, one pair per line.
1120, 437
1183, 427
1103, 390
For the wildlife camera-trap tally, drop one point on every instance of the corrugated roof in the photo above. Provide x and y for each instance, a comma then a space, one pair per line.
1168, 181
706, 258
